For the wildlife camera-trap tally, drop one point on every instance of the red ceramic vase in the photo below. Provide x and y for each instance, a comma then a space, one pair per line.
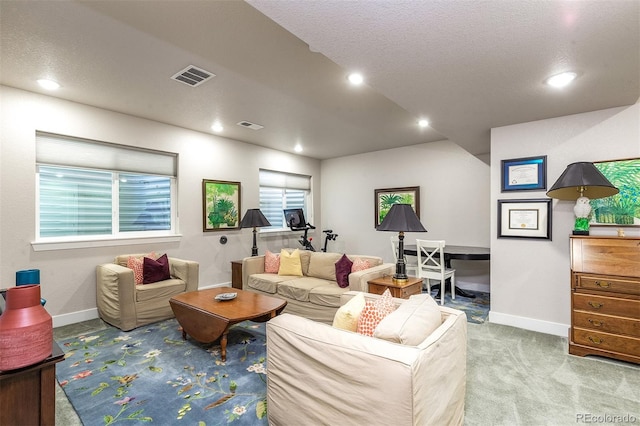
26, 329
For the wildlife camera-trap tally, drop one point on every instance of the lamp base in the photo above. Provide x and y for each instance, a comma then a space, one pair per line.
580, 232
399, 279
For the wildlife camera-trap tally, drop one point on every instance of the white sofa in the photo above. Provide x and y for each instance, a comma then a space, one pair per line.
316, 294
321, 375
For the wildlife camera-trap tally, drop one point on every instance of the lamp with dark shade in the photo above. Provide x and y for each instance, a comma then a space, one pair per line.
581, 182
253, 218
401, 218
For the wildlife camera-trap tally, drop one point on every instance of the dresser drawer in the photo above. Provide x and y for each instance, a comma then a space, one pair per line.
607, 284
606, 341
606, 323
606, 305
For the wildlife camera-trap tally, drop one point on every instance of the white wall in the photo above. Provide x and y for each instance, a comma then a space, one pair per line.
530, 279
454, 200
68, 276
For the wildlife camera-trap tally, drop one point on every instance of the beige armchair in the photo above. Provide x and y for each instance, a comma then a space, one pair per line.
321, 375
126, 305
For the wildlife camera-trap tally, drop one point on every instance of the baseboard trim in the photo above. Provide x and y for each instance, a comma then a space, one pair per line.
89, 314
547, 327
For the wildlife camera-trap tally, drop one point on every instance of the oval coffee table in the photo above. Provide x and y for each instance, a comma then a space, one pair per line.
206, 319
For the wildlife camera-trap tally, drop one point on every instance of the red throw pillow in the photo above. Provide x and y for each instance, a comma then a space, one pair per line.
271, 262
360, 265
374, 312
155, 270
343, 269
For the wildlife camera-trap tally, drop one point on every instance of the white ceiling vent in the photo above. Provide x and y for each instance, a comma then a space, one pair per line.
193, 76
249, 125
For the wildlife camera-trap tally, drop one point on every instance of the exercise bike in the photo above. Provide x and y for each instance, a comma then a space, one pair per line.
296, 222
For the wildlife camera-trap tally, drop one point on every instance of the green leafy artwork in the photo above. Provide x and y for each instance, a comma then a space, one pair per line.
624, 207
221, 204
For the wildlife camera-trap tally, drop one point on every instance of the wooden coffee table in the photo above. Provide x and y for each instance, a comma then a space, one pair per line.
206, 319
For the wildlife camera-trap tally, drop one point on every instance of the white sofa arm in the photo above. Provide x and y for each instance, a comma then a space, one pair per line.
359, 281
251, 265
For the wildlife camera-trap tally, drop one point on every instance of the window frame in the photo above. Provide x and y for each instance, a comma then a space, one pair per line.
308, 204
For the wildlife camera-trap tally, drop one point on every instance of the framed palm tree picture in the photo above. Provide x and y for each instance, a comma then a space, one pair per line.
220, 205
624, 207
385, 198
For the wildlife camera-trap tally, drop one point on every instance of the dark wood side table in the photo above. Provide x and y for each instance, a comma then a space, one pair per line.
412, 286
236, 274
28, 395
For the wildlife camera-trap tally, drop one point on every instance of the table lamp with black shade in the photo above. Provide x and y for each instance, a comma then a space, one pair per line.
253, 218
581, 182
401, 218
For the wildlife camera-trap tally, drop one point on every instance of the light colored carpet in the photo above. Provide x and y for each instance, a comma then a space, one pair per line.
514, 377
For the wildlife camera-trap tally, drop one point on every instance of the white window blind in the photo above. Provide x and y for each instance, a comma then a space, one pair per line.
279, 191
80, 194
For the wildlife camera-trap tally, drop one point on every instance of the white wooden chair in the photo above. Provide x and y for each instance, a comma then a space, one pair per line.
431, 265
411, 262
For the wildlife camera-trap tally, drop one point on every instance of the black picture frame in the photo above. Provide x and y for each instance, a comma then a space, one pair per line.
524, 174
530, 218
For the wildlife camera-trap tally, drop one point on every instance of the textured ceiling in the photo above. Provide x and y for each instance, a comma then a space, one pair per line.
468, 66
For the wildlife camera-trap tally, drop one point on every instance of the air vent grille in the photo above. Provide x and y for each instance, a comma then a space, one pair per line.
250, 125
193, 76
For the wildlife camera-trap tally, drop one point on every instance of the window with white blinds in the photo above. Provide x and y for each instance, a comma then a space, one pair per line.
279, 191
88, 188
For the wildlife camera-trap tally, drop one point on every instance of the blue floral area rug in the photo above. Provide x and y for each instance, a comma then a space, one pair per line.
151, 374
477, 309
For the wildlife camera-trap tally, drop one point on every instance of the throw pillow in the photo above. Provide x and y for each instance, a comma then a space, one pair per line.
360, 265
271, 262
290, 263
343, 268
346, 317
374, 312
155, 270
135, 263
412, 322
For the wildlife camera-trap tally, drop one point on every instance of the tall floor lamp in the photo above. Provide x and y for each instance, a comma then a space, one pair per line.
580, 182
253, 218
401, 218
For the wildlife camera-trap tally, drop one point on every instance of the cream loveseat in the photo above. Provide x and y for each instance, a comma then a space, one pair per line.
321, 375
316, 294
126, 305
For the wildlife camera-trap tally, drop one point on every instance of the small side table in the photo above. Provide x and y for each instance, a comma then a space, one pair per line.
236, 274
412, 286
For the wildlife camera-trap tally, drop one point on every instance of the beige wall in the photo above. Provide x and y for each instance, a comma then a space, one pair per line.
68, 276
530, 279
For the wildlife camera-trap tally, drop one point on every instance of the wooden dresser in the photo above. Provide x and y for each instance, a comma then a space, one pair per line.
605, 297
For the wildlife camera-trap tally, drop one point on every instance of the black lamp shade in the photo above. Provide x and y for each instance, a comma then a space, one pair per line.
254, 218
581, 179
401, 218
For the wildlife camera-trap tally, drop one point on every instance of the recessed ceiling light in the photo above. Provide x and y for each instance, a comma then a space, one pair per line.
48, 84
298, 148
217, 127
423, 122
562, 79
356, 78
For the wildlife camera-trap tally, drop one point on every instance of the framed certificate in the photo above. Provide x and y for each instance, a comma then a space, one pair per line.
524, 218
524, 174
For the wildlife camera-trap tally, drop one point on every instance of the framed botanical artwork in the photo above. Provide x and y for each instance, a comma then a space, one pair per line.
524, 218
220, 205
385, 198
524, 174
624, 207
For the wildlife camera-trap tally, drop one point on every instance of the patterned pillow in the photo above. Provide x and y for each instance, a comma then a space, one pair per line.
343, 268
374, 312
271, 262
290, 263
360, 265
135, 263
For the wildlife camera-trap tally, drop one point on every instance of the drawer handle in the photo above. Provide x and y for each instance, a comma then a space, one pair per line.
595, 340
603, 284
596, 305
595, 323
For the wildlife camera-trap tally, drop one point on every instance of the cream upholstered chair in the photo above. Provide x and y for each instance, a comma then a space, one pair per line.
411, 262
127, 305
431, 265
